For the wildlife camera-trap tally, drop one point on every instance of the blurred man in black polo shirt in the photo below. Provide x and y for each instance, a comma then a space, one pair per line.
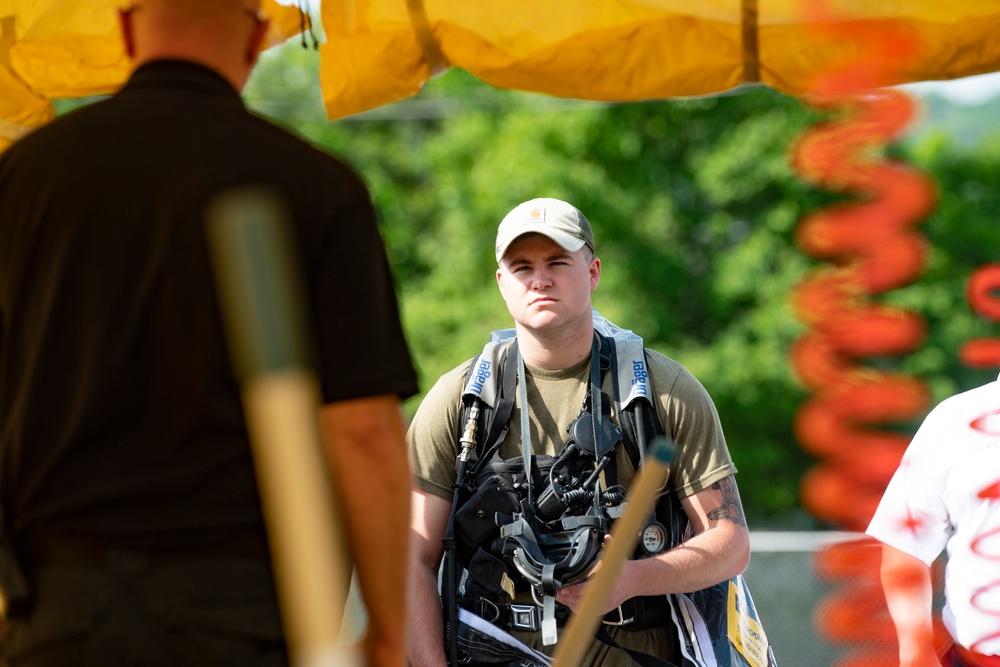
125, 471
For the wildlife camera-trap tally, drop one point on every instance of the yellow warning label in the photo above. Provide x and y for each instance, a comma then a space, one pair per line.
745, 632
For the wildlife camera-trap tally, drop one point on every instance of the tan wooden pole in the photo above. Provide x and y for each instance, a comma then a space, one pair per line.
262, 306
642, 494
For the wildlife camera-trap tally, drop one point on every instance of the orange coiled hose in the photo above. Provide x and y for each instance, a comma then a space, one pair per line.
872, 247
983, 293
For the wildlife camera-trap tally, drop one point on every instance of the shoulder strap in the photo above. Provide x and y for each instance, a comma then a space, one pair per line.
492, 379
640, 425
497, 431
490, 383
481, 381
637, 414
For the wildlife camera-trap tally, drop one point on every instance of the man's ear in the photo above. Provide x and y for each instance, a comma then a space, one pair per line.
125, 22
257, 41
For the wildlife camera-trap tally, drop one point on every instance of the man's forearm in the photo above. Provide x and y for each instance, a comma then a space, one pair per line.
378, 527
906, 581
704, 560
425, 621
425, 633
715, 555
372, 477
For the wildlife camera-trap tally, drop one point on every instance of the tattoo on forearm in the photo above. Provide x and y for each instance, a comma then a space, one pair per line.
731, 507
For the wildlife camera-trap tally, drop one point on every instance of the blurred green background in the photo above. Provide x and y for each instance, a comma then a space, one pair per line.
694, 207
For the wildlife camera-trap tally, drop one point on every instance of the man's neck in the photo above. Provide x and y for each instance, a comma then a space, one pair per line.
555, 350
232, 75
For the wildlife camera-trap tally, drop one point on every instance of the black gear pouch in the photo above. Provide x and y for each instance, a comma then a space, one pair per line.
494, 576
500, 487
475, 520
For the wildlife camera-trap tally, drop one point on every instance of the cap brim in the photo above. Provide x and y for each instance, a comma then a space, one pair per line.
566, 241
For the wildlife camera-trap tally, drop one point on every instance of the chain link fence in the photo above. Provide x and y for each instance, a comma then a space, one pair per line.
820, 600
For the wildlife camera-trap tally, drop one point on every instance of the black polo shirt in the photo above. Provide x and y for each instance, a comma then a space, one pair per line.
119, 414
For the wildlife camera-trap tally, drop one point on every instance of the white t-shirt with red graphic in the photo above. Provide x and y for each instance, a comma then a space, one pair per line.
946, 494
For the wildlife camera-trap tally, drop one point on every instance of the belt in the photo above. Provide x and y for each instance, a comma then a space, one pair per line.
635, 614
640, 613
970, 659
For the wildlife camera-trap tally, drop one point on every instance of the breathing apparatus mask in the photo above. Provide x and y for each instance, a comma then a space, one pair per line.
569, 492
557, 540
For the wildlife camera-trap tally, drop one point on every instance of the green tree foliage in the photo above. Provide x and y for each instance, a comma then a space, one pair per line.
694, 207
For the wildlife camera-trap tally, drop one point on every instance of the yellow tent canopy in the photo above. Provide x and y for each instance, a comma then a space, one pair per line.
380, 51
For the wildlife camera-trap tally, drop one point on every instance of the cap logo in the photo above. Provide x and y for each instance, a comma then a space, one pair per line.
537, 214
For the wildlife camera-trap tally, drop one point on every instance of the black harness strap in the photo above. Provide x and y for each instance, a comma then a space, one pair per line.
497, 430
635, 422
495, 435
607, 362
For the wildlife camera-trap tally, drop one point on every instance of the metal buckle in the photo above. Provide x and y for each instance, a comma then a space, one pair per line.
481, 609
524, 617
621, 618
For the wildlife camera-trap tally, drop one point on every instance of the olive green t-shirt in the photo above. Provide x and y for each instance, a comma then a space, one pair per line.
684, 408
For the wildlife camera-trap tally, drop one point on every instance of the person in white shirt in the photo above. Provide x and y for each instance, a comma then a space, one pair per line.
945, 495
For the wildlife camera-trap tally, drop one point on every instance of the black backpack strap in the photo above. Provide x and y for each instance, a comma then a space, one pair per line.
640, 411
639, 423
496, 430
492, 422
488, 419
449, 565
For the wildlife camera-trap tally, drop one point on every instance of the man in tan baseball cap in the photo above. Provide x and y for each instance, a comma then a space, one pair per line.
532, 390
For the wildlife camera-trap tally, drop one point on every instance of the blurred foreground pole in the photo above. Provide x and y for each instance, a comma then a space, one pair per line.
642, 495
262, 305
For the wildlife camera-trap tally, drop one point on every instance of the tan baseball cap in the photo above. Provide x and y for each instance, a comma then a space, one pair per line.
561, 222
